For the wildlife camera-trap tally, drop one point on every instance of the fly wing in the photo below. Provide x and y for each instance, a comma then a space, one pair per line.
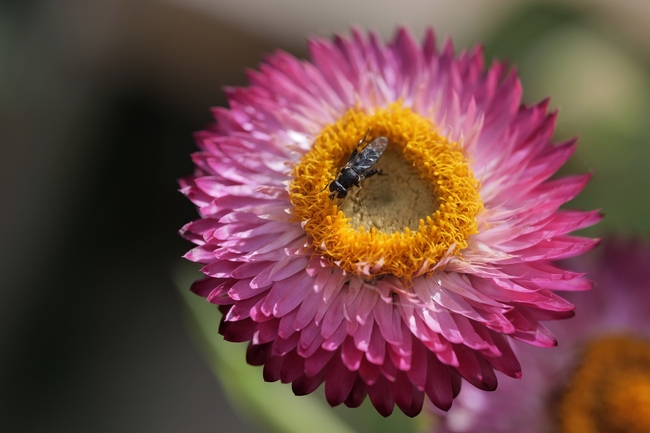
368, 157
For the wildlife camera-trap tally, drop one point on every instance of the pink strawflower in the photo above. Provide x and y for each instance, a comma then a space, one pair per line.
413, 281
597, 380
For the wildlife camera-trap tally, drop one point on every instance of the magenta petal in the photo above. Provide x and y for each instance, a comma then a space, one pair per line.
381, 397
350, 355
307, 310
266, 332
335, 340
282, 346
238, 332
242, 289
272, 367
403, 392
389, 322
306, 385
333, 318
388, 370
286, 328
220, 269
339, 383
417, 400
377, 348
310, 339
241, 310
417, 374
530, 330
369, 372
286, 295
362, 336
249, 269
205, 286
317, 361
292, 367
357, 395
475, 369
507, 363
439, 384
257, 354
308, 349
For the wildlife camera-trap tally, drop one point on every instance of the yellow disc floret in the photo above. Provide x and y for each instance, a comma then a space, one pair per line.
406, 253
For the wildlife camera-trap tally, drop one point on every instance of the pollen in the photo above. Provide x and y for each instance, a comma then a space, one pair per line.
610, 390
406, 222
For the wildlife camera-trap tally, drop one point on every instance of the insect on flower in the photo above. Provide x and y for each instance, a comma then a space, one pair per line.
359, 166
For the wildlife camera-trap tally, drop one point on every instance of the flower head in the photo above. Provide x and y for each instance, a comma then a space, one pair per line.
416, 278
597, 380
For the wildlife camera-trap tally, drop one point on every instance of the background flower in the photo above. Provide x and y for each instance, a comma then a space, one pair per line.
597, 379
392, 314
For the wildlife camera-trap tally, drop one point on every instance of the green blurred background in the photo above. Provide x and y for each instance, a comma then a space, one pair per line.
98, 100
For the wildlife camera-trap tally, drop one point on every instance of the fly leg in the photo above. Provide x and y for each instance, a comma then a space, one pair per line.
373, 172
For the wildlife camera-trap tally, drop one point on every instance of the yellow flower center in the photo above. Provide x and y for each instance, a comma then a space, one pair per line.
422, 209
610, 391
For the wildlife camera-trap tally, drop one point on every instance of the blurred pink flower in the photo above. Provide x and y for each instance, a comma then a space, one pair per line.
403, 293
597, 380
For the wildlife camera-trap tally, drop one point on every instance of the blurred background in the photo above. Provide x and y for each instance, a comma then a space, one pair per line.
98, 102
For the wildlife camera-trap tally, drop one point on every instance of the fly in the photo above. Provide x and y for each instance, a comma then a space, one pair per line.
359, 166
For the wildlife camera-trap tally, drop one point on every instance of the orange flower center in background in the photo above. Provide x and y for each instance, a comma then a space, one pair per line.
421, 209
610, 390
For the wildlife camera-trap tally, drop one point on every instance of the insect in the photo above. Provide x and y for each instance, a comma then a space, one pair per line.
359, 166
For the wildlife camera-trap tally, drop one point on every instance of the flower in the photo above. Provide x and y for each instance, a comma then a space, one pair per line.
416, 279
597, 380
